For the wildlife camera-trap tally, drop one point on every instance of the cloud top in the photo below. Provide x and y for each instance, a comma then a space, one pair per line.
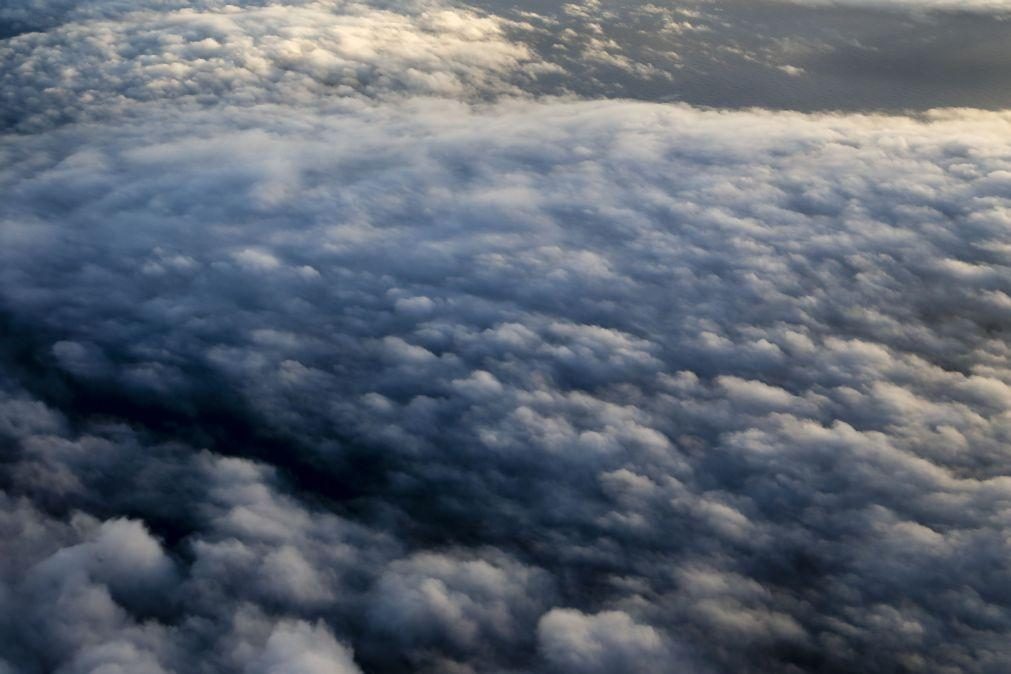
362, 362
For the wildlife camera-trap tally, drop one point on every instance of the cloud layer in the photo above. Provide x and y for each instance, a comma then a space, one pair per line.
213, 53
369, 362
982, 6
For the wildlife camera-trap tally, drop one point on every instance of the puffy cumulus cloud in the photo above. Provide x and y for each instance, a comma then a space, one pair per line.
421, 383
609, 641
83, 595
300, 648
76, 594
102, 57
459, 607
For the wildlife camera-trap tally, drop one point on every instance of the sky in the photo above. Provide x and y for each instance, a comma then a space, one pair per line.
612, 337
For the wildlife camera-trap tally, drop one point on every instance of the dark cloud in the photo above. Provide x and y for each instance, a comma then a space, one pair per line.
335, 349
984, 6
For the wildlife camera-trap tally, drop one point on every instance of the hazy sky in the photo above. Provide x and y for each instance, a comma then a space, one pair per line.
871, 55
505, 338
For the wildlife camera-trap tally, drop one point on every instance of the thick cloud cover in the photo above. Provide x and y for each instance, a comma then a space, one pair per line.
204, 54
367, 361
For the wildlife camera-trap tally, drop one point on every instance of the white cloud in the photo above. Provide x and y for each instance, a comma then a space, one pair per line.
609, 641
305, 53
301, 648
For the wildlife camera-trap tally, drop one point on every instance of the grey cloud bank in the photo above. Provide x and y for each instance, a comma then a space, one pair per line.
371, 360
984, 6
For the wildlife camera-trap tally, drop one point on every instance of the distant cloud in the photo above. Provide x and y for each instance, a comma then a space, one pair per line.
985, 6
302, 53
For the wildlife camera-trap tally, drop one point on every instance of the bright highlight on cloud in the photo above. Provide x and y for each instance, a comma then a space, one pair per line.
200, 54
328, 349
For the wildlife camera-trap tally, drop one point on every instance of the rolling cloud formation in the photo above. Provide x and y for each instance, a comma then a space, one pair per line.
329, 348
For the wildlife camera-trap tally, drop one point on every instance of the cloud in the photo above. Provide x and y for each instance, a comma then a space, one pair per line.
102, 58
300, 648
459, 607
417, 379
609, 641
982, 6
